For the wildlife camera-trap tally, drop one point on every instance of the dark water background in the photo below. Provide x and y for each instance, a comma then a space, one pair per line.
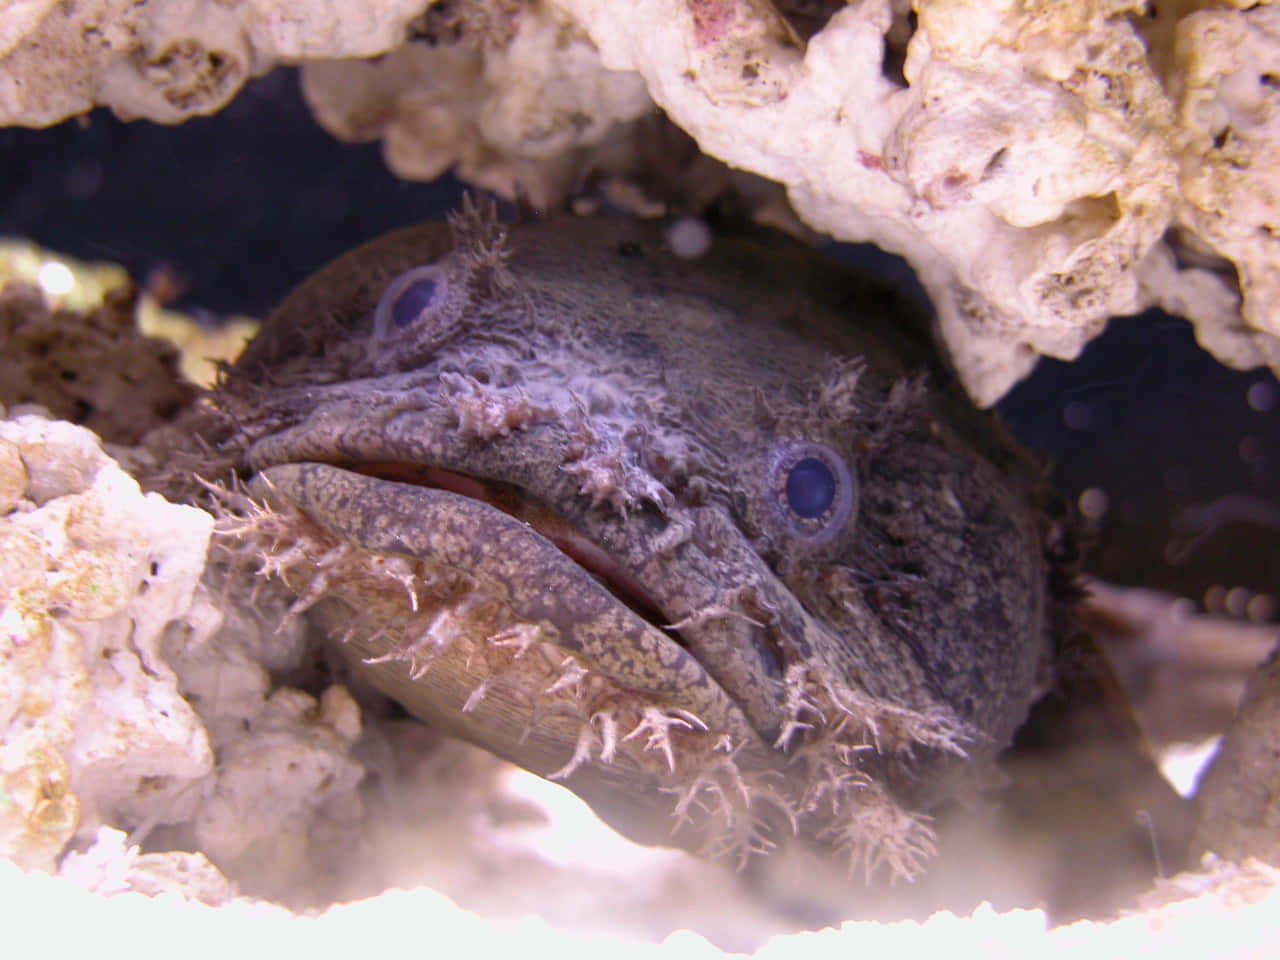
240, 206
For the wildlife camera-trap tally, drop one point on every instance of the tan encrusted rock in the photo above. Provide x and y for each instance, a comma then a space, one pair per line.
171, 59
1226, 78
1024, 169
507, 103
112, 866
92, 727
108, 640
1028, 157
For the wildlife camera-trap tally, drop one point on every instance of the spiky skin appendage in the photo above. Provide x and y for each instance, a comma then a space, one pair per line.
446, 495
413, 616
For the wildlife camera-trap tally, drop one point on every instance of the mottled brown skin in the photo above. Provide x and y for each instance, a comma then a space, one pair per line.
583, 394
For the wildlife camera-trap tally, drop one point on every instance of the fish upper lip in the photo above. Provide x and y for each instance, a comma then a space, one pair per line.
518, 503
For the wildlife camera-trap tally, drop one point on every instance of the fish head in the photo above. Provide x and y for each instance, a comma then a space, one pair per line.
702, 539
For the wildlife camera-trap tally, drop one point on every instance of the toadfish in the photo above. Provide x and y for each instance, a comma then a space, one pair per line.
704, 540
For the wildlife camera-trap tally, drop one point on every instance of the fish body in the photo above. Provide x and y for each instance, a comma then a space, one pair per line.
710, 541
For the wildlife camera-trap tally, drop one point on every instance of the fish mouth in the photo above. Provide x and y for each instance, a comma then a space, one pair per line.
629, 717
674, 571
549, 578
517, 502
553, 657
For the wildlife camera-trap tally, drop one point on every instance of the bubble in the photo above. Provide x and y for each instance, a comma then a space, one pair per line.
1263, 396
1237, 601
1077, 415
1093, 503
689, 238
55, 278
1251, 449
1261, 608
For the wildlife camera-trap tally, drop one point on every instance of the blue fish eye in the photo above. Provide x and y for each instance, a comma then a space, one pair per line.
809, 491
811, 488
409, 297
410, 304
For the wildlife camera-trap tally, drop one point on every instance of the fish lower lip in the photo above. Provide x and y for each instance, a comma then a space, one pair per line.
515, 502
507, 558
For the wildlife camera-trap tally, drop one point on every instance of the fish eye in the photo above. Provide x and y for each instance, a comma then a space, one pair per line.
810, 490
407, 298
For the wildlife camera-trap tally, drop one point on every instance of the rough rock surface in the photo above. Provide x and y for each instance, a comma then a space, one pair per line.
1027, 160
111, 866
1042, 165
127, 699
511, 108
1239, 795
1229, 912
93, 729
171, 59
45, 351
1227, 97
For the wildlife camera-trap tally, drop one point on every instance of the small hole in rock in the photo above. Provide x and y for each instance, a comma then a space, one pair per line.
895, 49
995, 164
808, 17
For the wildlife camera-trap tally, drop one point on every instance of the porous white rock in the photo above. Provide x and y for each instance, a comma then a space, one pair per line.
93, 729
1226, 80
282, 803
507, 103
129, 699
1028, 157
1024, 163
285, 797
171, 59
1029, 162
112, 866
